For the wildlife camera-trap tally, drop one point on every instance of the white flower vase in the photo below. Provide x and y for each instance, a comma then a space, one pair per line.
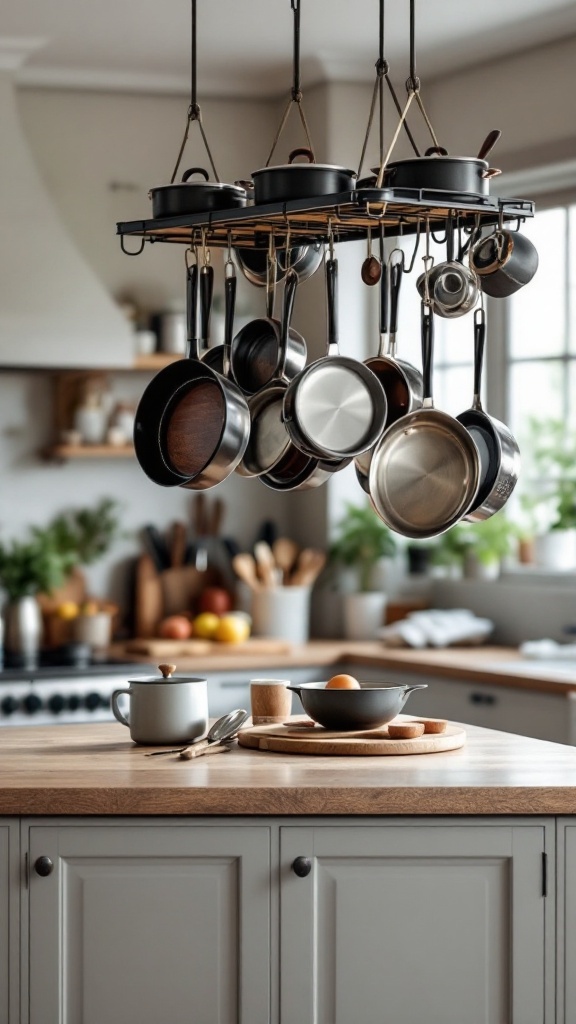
556, 550
23, 632
363, 615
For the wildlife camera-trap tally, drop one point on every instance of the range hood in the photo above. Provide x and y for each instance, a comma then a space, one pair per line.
54, 311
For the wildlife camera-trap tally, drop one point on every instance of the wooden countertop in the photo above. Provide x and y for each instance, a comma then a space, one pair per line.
499, 666
96, 769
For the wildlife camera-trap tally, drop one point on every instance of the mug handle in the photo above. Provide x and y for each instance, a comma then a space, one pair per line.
116, 710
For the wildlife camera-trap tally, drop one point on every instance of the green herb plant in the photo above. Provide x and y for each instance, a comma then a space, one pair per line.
43, 562
361, 539
489, 541
550, 452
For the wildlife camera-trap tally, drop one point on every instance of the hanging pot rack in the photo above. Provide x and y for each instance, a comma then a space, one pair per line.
348, 216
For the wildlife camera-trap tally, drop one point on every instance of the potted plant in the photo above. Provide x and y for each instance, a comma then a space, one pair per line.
41, 563
477, 548
549, 496
360, 542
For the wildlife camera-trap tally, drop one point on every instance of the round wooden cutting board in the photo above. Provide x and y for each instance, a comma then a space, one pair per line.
368, 743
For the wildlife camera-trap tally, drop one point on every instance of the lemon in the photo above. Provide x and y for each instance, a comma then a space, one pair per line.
206, 625
232, 629
68, 610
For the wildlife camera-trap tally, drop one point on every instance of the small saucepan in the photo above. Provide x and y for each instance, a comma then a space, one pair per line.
349, 710
438, 171
262, 352
401, 381
192, 424
300, 180
425, 470
336, 407
499, 451
195, 196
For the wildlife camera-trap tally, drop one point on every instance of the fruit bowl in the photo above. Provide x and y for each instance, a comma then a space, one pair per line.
353, 710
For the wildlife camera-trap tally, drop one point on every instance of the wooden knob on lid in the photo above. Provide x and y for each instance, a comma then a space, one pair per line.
167, 670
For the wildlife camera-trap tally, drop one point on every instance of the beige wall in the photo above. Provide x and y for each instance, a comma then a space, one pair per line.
84, 142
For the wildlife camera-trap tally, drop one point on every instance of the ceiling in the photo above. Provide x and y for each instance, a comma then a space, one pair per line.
245, 45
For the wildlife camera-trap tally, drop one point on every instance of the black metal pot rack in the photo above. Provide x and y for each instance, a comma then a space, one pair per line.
348, 216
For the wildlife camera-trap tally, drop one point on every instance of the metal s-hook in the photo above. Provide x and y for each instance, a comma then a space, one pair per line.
127, 252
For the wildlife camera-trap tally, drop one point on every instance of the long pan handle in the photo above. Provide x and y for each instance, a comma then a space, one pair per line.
384, 308
229, 308
479, 341
396, 272
332, 305
206, 287
290, 283
193, 351
427, 321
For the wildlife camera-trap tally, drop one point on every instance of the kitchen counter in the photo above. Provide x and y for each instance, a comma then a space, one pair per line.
500, 666
97, 770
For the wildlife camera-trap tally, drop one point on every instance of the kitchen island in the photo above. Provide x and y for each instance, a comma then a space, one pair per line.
261, 888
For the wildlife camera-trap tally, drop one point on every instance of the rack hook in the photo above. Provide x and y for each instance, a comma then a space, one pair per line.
127, 252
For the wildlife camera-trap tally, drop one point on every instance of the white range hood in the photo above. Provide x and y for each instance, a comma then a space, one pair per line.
53, 309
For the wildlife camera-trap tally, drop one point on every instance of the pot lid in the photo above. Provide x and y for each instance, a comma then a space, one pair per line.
307, 166
220, 185
168, 676
436, 158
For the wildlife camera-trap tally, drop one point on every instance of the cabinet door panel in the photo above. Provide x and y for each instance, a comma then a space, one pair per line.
152, 924
402, 924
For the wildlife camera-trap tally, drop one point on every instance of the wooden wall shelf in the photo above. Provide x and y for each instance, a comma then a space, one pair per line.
64, 452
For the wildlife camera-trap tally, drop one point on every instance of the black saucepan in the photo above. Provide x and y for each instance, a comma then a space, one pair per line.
195, 196
499, 452
300, 180
425, 470
335, 407
437, 170
262, 352
192, 424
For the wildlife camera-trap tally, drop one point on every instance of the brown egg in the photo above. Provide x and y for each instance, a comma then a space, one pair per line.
342, 682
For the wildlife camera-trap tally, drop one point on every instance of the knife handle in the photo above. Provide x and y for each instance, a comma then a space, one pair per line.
207, 748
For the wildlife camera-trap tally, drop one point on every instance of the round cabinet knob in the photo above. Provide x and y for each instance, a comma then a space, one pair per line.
43, 866
56, 703
302, 866
9, 705
92, 701
32, 703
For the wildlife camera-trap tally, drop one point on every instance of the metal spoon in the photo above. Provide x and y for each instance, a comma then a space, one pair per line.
224, 728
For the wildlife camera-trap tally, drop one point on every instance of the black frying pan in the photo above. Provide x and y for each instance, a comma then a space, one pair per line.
192, 424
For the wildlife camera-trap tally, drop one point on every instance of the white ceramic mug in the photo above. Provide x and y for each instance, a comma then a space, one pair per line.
165, 711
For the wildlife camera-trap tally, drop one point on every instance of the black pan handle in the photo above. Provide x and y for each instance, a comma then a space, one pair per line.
229, 308
206, 287
384, 308
332, 305
290, 283
427, 321
396, 272
479, 340
191, 304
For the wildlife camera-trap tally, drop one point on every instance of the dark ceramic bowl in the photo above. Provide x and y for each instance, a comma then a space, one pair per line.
366, 708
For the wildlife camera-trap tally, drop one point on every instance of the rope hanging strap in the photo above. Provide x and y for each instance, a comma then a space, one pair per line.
296, 92
194, 112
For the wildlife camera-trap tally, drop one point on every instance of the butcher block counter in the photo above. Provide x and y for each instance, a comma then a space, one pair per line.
97, 770
499, 666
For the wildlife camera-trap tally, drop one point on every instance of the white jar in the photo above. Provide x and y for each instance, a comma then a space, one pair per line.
91, 422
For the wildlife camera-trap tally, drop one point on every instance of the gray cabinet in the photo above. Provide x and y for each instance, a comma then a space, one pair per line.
418, 922
566, 941
149, 923
9, 925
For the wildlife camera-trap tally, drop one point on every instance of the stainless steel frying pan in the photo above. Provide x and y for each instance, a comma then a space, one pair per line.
334, 408
499, 451
425, 470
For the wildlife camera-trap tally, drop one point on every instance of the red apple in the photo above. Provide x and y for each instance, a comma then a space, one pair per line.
216, 600
175, 627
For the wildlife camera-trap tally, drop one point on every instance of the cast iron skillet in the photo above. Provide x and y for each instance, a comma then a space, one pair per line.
499, 452
192, 424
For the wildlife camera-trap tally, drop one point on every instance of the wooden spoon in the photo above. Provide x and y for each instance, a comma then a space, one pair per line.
267, 568
245, 567
285, 551
309, 566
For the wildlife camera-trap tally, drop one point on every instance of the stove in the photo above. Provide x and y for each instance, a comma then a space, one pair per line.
53, 694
